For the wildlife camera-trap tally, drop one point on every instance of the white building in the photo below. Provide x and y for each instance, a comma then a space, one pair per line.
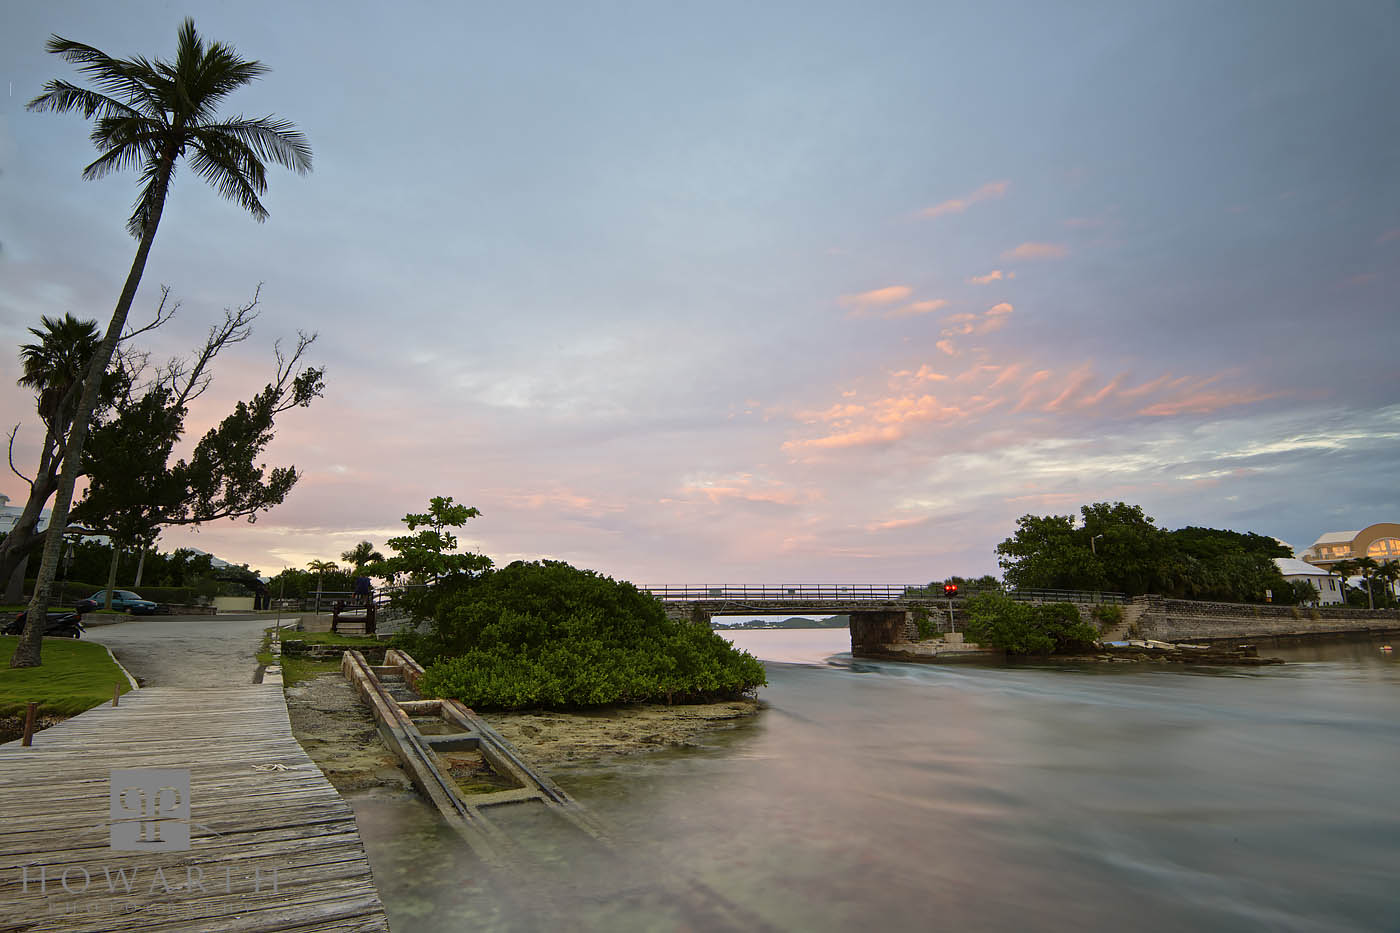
1328, 585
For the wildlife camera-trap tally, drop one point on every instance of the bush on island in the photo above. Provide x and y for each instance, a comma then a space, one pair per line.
996, 621
545, 634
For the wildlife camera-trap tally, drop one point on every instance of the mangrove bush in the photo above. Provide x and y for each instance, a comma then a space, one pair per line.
545, 634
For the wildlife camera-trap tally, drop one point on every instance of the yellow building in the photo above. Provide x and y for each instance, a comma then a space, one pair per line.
1380, 542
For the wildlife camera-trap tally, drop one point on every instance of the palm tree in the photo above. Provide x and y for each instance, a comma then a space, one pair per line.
53, 369
360, 555
320, 568
1367, 567
55, 365
1389, 574
148, 115
1344, 568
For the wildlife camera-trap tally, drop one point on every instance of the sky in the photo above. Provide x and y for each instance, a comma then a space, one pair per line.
765, 293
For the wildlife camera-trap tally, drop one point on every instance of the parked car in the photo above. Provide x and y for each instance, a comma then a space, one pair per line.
125, 599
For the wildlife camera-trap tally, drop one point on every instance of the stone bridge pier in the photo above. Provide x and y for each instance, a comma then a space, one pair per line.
871, 630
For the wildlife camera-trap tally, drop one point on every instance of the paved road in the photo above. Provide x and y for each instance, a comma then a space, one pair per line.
186, 651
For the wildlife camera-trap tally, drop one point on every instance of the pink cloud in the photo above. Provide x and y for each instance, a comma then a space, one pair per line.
925, 374
1006, 375
993, 276
994, 318
918, 307
863, 301
947, 347
1389, 235
994, 189
1037, 251
908, 408
863, 437
895, 523
1204, 403
743, 487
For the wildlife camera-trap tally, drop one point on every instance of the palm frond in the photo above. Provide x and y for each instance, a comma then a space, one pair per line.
268, 138
61, 97
232, 169
115, 77
121, 157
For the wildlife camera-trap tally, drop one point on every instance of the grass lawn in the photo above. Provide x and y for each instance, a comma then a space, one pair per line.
75, 676
326, 638
295, 669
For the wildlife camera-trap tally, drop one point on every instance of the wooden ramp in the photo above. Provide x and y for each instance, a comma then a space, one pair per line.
258, 806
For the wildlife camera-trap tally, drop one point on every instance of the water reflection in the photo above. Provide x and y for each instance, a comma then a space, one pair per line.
909, 797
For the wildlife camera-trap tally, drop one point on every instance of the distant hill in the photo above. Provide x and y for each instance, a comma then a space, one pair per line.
794, 622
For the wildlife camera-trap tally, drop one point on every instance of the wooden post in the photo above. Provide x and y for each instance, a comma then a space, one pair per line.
29, 725
116, 692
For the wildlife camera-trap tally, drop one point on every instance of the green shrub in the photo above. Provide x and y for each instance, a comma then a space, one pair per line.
1108, 615
927, 627
996, 621
549, 635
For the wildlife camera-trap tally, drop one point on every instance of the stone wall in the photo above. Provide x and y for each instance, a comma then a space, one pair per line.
1185, 620
871, 631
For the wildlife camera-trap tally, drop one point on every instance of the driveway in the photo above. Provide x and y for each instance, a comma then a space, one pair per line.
186, 651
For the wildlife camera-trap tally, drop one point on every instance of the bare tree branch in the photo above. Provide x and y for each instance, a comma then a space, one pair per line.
236, 328
13, 468
288, 372
161, 315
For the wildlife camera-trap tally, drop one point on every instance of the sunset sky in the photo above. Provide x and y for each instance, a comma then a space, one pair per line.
737, 293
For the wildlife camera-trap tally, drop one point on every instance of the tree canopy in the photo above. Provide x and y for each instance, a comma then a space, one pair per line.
1119, 548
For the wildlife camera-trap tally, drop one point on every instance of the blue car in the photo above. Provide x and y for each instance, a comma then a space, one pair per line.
125, 599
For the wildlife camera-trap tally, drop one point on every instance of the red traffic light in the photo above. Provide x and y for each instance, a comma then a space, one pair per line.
950, 589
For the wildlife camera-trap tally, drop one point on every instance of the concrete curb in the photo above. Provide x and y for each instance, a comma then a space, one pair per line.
131, 680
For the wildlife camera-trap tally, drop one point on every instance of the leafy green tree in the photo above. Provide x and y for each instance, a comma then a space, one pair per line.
1048, 552
1303, 592
1119, 548
428, 560
135, 487
149, 114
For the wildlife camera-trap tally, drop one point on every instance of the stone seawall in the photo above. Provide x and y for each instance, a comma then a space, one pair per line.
1187, 620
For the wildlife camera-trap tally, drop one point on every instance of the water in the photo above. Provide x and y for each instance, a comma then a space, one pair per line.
913, 797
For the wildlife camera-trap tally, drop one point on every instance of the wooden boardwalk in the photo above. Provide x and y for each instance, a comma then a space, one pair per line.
258, 805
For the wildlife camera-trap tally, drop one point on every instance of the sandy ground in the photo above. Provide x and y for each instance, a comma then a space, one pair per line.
338, 732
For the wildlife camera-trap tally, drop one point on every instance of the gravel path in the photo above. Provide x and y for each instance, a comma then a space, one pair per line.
186, 651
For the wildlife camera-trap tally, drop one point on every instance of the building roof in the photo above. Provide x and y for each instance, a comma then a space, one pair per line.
1336, 537
1292, 567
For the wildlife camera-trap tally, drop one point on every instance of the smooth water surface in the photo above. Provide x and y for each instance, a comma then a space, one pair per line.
913, 797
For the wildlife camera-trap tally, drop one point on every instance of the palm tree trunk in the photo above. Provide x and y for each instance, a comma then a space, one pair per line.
28, 651
112, 575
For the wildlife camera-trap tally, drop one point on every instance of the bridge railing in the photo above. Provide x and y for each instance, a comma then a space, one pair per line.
858, 591
785, 591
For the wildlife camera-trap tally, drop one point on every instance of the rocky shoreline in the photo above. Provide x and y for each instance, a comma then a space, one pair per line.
339, 733
1134, 651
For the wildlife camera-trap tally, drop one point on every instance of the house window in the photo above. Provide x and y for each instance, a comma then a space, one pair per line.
1385, 547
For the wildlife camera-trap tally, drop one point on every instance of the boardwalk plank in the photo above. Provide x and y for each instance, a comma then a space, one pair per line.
55, 808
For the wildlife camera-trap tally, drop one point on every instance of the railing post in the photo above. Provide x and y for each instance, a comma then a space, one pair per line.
29, 725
